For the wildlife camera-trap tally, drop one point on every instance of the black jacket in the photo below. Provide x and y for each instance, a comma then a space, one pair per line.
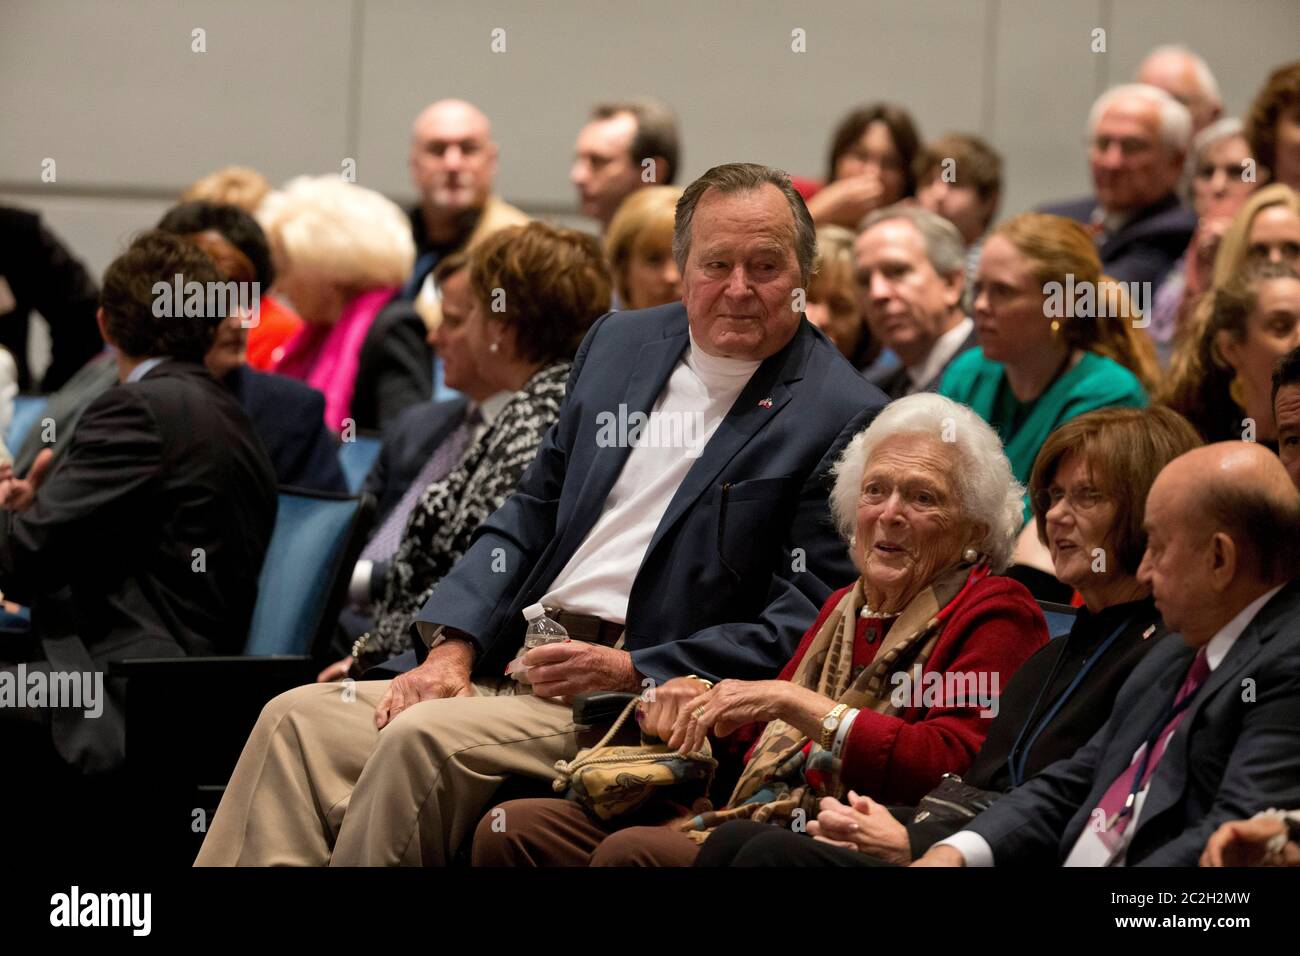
145, 540
43, 275
1032, 694
1148, 245
394, 369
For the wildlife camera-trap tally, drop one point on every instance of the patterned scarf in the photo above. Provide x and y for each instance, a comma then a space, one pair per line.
451, 510
775, 785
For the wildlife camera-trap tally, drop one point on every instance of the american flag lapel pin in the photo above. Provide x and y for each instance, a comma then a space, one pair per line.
764, 403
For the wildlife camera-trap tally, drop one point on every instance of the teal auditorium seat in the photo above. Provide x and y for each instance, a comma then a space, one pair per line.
187, 717
27, 412
356, 458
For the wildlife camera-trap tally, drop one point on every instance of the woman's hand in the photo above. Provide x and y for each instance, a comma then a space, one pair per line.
734, 703
862, 825
1245, 843
336, 671
845, 202
657, 712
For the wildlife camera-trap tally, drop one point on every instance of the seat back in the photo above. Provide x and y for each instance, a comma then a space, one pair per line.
1060, 618
356, 458
314, 545
27, 412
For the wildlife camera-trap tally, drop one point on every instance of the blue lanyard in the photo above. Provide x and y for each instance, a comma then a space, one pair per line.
1020, 756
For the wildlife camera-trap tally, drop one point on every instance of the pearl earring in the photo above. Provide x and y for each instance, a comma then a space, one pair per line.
494, 347
970, 555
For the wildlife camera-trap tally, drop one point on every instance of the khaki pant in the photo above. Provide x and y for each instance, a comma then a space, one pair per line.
318, 785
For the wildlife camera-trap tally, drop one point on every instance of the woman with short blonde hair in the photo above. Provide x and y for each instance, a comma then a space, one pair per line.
342, 251
639, 248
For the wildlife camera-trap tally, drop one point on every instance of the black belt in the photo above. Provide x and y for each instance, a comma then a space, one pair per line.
587, 627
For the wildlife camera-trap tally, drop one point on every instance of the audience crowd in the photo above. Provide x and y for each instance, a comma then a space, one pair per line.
884, 531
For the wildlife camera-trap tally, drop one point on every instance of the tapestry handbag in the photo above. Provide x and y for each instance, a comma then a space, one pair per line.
611, 782
954, 802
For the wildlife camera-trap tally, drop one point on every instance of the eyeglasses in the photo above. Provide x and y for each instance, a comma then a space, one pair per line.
1128, 145
1082, 499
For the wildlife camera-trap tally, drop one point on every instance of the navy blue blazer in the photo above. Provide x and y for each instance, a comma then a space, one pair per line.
1147, 247
1243, 728
409, 442
746, 553
288, 416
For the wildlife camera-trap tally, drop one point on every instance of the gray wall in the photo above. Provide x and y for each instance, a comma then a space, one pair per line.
112, 92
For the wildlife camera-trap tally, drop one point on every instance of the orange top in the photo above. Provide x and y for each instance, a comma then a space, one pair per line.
277, 325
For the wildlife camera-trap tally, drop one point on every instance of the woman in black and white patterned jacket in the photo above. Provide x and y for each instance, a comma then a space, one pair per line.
548, 285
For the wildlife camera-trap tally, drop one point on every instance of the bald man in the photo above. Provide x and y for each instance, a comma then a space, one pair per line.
1187, 78
453, 165
1207, 728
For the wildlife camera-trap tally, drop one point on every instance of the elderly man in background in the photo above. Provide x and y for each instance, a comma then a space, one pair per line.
1186, 77
623, 147
453, 163
699, 545
1138, 140
1222, 522
911, 272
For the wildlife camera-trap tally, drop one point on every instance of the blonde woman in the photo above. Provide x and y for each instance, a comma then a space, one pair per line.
639, 248
341, 251
833, 304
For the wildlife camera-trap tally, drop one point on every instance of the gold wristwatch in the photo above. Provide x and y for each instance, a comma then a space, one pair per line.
830, 724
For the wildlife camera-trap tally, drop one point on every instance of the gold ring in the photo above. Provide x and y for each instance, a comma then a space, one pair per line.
698, 712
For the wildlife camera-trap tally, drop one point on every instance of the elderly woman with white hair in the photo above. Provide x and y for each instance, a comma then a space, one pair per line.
894, 684
341, 253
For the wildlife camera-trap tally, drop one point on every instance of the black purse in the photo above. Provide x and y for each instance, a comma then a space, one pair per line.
954, 802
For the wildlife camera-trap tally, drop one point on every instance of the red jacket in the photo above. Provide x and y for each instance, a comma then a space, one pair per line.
994, 628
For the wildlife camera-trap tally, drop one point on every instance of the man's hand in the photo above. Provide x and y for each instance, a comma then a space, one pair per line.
17, 494
941, 856
658, 716
444, 673
862, 825
569, 668
1245, 843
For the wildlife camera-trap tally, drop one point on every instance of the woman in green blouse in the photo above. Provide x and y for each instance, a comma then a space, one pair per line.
1056, 337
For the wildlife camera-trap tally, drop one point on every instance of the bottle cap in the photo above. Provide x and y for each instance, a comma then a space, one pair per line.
533, 612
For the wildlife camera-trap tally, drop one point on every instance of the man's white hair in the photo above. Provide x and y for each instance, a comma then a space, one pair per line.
1175, 119
336, 231
988, 493
1209, 86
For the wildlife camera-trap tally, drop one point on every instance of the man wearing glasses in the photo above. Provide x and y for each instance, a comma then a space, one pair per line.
1137, 141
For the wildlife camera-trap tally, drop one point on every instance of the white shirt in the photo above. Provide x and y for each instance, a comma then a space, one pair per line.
1088, 849
144, 368
944, 348
598, 577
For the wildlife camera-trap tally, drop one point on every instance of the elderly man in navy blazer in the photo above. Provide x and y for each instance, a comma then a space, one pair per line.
1138, 139
675, 518
1207, 728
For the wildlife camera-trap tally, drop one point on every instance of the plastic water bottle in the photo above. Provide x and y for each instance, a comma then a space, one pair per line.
541, 629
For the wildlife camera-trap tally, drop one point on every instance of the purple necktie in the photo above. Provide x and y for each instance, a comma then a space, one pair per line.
1115, 805
385, 542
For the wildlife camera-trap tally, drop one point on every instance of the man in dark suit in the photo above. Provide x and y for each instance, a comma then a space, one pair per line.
38, 273
1138, 140
1207, 728
423, 446
147, 538
911, 269
675, 519
286, 414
